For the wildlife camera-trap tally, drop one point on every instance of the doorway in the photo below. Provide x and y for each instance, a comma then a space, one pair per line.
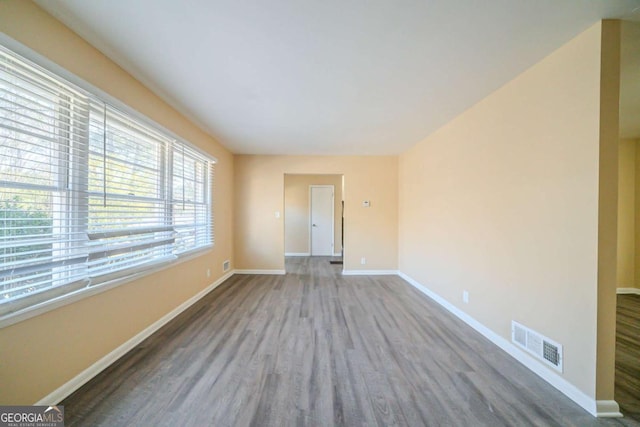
301, 238
627, 355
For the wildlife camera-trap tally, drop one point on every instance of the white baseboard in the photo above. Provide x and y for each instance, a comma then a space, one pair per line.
607, 409
83, 377
564, 386
307, 254
279, 272
634, 291
370, 272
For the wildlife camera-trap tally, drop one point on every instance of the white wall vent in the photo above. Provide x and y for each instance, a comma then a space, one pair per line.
537, 344
226, 265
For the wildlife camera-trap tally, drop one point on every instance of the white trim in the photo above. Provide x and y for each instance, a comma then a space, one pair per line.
83, 377
278, 272
633, 291
337, 254
607, 409
370, 272
333, 217
564, 386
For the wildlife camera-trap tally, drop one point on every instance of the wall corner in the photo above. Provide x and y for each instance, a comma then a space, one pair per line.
607, 208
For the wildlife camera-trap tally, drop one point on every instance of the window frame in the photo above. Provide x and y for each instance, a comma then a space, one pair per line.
52, 298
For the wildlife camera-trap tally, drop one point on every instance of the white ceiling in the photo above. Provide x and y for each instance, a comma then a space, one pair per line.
331, 76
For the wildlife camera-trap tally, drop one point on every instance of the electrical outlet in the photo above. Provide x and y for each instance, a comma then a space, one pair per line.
363, 260
208, 272
465, 297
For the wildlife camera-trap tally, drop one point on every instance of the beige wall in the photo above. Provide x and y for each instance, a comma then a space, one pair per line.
503, 202
629, 81
629, 214
369, 232
40, 354
636, 213
626, 213
296, 211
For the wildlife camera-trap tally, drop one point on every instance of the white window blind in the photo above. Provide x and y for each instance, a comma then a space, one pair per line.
88, 193
128, 224
190, 199
42, 133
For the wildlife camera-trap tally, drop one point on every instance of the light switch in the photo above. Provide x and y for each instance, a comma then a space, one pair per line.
277, 214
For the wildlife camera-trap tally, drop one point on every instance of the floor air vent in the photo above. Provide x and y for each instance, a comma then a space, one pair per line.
226, 265
538, 345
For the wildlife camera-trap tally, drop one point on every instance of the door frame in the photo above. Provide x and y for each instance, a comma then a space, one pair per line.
333, 218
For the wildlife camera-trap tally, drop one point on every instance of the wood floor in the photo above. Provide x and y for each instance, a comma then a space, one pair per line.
320, 349
627, 392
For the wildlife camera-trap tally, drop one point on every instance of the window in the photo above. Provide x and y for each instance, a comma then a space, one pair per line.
88, 193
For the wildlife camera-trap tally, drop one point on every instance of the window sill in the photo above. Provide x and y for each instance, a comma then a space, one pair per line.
75, 296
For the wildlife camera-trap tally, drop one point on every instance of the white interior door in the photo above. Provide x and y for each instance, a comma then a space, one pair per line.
321, 216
